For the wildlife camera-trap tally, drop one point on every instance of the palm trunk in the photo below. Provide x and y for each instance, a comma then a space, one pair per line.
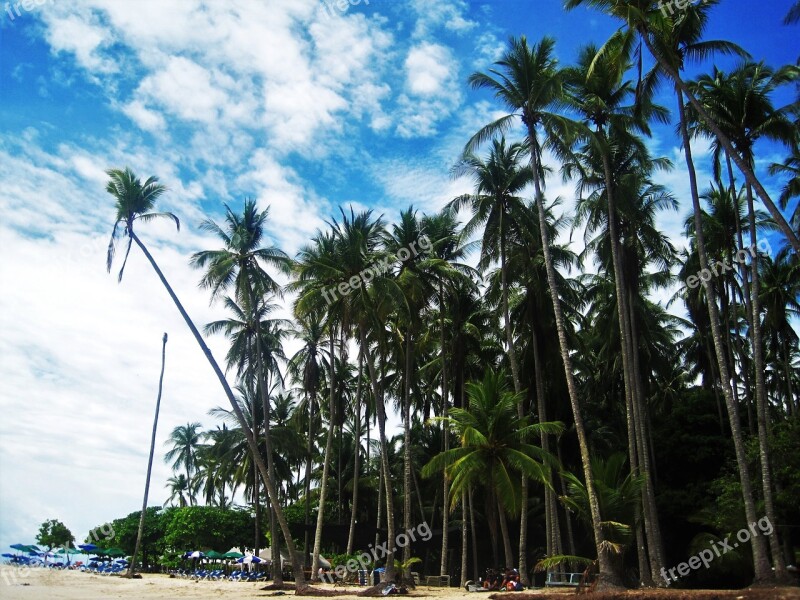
309, 450
139, 533
251, 440
509, 553
512, 358
326, 461
464, 555
761, 399
407, 484
357, 459
474, 533
627, 343
726, 143
763, 573
607, 578
380, 409
446, 438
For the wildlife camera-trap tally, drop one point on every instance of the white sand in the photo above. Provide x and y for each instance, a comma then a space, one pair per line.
47, 584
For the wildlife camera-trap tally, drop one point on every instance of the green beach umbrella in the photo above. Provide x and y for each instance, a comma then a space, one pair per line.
232, 555
214, 554
115, 552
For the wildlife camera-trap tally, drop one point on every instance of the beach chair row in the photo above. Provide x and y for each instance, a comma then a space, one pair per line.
219, 575
104, 569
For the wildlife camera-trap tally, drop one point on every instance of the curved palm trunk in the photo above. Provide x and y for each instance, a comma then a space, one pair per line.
474, 533
607, 577
326, 461
761, 398
357, 459
139, 533
763, 573
726, 143
251, 440
380, 410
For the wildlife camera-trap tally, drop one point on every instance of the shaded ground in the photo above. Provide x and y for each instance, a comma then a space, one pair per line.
761, 593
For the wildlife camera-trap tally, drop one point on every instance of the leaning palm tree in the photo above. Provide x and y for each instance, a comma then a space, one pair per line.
529, 83
135, 202
150, 459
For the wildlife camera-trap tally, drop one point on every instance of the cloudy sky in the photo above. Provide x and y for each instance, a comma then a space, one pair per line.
303, 106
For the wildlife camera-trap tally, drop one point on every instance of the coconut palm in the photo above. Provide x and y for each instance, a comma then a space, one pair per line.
493, 448
185, 442
529, 83
134, 202
178, 489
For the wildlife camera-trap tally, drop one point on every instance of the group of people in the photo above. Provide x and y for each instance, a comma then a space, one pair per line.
506, 580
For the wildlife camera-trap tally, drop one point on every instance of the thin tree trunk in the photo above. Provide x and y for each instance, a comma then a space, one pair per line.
357, 459
464, 549
251, 441
474, 533
445, 436
509, 553
407, 444
309, 458
607, 577
380, 409
326, 461
761, 398
763, 573
139, 533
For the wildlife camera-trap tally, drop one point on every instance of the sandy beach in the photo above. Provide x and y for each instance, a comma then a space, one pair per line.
27, 584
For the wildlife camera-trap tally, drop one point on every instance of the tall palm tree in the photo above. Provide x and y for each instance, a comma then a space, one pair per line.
529, 83
150, 459
135, 202
185, 442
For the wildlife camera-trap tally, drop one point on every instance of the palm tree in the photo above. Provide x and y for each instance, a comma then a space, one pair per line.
150, 459
185, 442
178, 489
493, 446
134, 202
529, 83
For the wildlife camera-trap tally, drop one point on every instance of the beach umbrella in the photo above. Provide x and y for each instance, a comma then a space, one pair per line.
115, 552
232, 554
21, 547
87, 547
246, 560
196, 554
7, 555
214, 554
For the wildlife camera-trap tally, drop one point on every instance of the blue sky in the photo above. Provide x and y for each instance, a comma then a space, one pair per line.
303, 108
